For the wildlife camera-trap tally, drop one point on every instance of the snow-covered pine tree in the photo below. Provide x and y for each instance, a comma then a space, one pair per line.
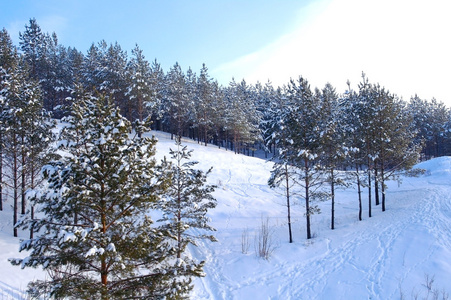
284, 173
113, 77
155, 106
430, 121
354, 139
7, 50
242, 117
55, 80
21, 114
37, 136
191, 90
32, 44
204, 105
47, 64
8, 60
3, 128
438, 125
178, 105
74, 65
218, 114
96, 238
91, 68
302, 120
267, 105
394, 142
187, 202
139, 90
365, 110
12, 92
334, 150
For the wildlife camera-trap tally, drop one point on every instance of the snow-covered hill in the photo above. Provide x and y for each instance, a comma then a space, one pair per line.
392, 255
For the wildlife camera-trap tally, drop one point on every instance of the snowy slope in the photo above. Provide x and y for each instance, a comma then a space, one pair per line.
377, 258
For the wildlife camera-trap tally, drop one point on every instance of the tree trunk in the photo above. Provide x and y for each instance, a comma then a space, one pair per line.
22, 174
369, 191
179, 223
32, 218
307, 200
15, 185
1, 171
332, 194
383, 189
179, 203
376, 187
103, 264
140, 108
104, 279
288, 203
32, 185
359, 191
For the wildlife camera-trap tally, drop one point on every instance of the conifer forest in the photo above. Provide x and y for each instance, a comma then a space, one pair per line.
107, 220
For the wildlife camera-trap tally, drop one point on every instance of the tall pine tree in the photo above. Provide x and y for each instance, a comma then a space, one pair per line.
187, 201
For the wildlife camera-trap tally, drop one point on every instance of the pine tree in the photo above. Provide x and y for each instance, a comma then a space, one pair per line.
242, 118
91, 68
430, 121
334, 151
3, 76
284, 173
32, 44
114, 66
8, 62
22, 106
395, 149
97, 240
178, 105
204, 105
7, 50
354, 140
268, 104
55, 78
218, 114
303, 143
139, 89
75, 67
187, 202
191, 90
366, 109
155, 105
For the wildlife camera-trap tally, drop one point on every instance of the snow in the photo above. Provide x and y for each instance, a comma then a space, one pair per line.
395, 252
111, 247
91, 251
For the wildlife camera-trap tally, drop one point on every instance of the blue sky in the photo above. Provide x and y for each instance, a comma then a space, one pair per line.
190, 32
402, 44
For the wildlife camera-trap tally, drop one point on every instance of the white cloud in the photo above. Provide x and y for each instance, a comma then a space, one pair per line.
402, 44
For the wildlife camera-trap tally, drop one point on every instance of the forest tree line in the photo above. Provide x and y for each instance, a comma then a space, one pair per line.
240, 117
182, 103
365, 129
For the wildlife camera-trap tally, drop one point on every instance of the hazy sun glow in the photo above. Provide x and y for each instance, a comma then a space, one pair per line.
403, 45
